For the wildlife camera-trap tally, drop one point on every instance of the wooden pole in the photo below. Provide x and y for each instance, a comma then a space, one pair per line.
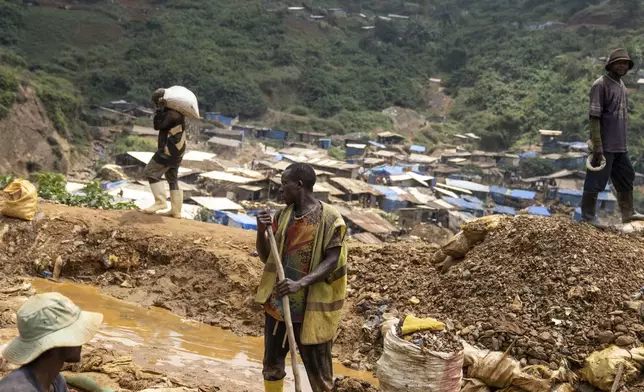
287, 310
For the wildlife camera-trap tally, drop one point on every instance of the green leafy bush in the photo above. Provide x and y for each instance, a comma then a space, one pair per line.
52, 186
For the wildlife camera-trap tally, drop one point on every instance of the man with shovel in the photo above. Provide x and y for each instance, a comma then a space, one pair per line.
608, 121
309, 236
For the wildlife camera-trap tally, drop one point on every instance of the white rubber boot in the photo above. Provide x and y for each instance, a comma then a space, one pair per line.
176, 199
160, 198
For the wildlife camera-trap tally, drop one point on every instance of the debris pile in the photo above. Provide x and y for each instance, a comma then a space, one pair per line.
557, 289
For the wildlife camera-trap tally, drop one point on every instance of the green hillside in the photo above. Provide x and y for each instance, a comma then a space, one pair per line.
508, 77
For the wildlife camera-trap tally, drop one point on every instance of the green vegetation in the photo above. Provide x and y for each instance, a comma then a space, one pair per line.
9, 83
507, 76
5, 179
127, 143
535, 167
52, 186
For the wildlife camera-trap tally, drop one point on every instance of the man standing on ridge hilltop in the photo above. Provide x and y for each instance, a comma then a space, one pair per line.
608, 122
310, 237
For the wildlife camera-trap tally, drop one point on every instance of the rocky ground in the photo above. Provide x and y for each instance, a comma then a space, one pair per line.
556, 289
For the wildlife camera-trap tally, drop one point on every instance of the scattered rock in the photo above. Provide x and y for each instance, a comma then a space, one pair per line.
606, 337
625, 340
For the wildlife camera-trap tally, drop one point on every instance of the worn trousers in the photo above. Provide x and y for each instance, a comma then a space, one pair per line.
618, 169
154, 171
316, 358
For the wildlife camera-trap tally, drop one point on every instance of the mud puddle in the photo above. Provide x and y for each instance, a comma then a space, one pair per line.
159, 339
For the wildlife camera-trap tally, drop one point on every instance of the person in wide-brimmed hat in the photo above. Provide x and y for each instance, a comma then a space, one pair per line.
609, 160
52, 331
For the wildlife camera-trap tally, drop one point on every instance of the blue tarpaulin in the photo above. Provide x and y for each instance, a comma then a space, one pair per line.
325, 143
241, 221
503, 210
498, 194
521, 194
393, 200
529, 154
464, 204
218, 117
416, 148
538, 210
576, 216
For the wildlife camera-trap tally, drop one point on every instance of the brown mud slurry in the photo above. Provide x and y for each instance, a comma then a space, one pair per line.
184, 349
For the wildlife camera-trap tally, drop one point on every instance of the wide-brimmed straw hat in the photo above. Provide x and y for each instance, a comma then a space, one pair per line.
619, 55
48, 321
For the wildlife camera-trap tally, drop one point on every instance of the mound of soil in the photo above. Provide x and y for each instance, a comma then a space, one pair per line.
558, 288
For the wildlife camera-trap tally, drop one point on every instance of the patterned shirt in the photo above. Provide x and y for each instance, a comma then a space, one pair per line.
609, 102
296, 260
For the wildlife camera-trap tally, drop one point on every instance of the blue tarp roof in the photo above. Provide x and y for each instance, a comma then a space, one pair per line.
529, 154
521, 194
469, 185
242, 220
538, 210
462, 203
504, 210
473, 199
376, 144
417, 148
603, 196
389, 170
513, 193
387, 191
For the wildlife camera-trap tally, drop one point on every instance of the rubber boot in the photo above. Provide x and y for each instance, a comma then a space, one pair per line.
176, 201
158, 190
588, 208
625, 201
274, 386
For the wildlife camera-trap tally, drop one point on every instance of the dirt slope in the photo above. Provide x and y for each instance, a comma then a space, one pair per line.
30, 141
197, 270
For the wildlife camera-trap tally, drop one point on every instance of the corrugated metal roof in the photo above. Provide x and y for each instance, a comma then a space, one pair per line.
244, 172
217, 203
224, 142
357, 146
355, 186
385, 154
470, 186
226, 177
538, 210
143, 131
250, 188
376, 144
367, 221
464, 204
504, 210
419, 158
198, 156
446, 192
548, 132
417, 148
472, 136
443, 204
521, 194
453, 188
373, 161
141, 156
326, 187
390, 134
366, 238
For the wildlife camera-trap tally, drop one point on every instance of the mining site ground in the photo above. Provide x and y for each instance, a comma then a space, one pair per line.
177, 294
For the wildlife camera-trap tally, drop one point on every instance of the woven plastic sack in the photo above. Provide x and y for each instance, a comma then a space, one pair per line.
20, 200
600, 367
182, 100
474, 385
403, 367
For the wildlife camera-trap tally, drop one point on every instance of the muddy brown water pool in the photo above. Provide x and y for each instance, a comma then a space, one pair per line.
161, 340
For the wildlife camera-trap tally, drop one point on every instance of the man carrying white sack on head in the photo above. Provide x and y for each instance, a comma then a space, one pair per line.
173, 105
